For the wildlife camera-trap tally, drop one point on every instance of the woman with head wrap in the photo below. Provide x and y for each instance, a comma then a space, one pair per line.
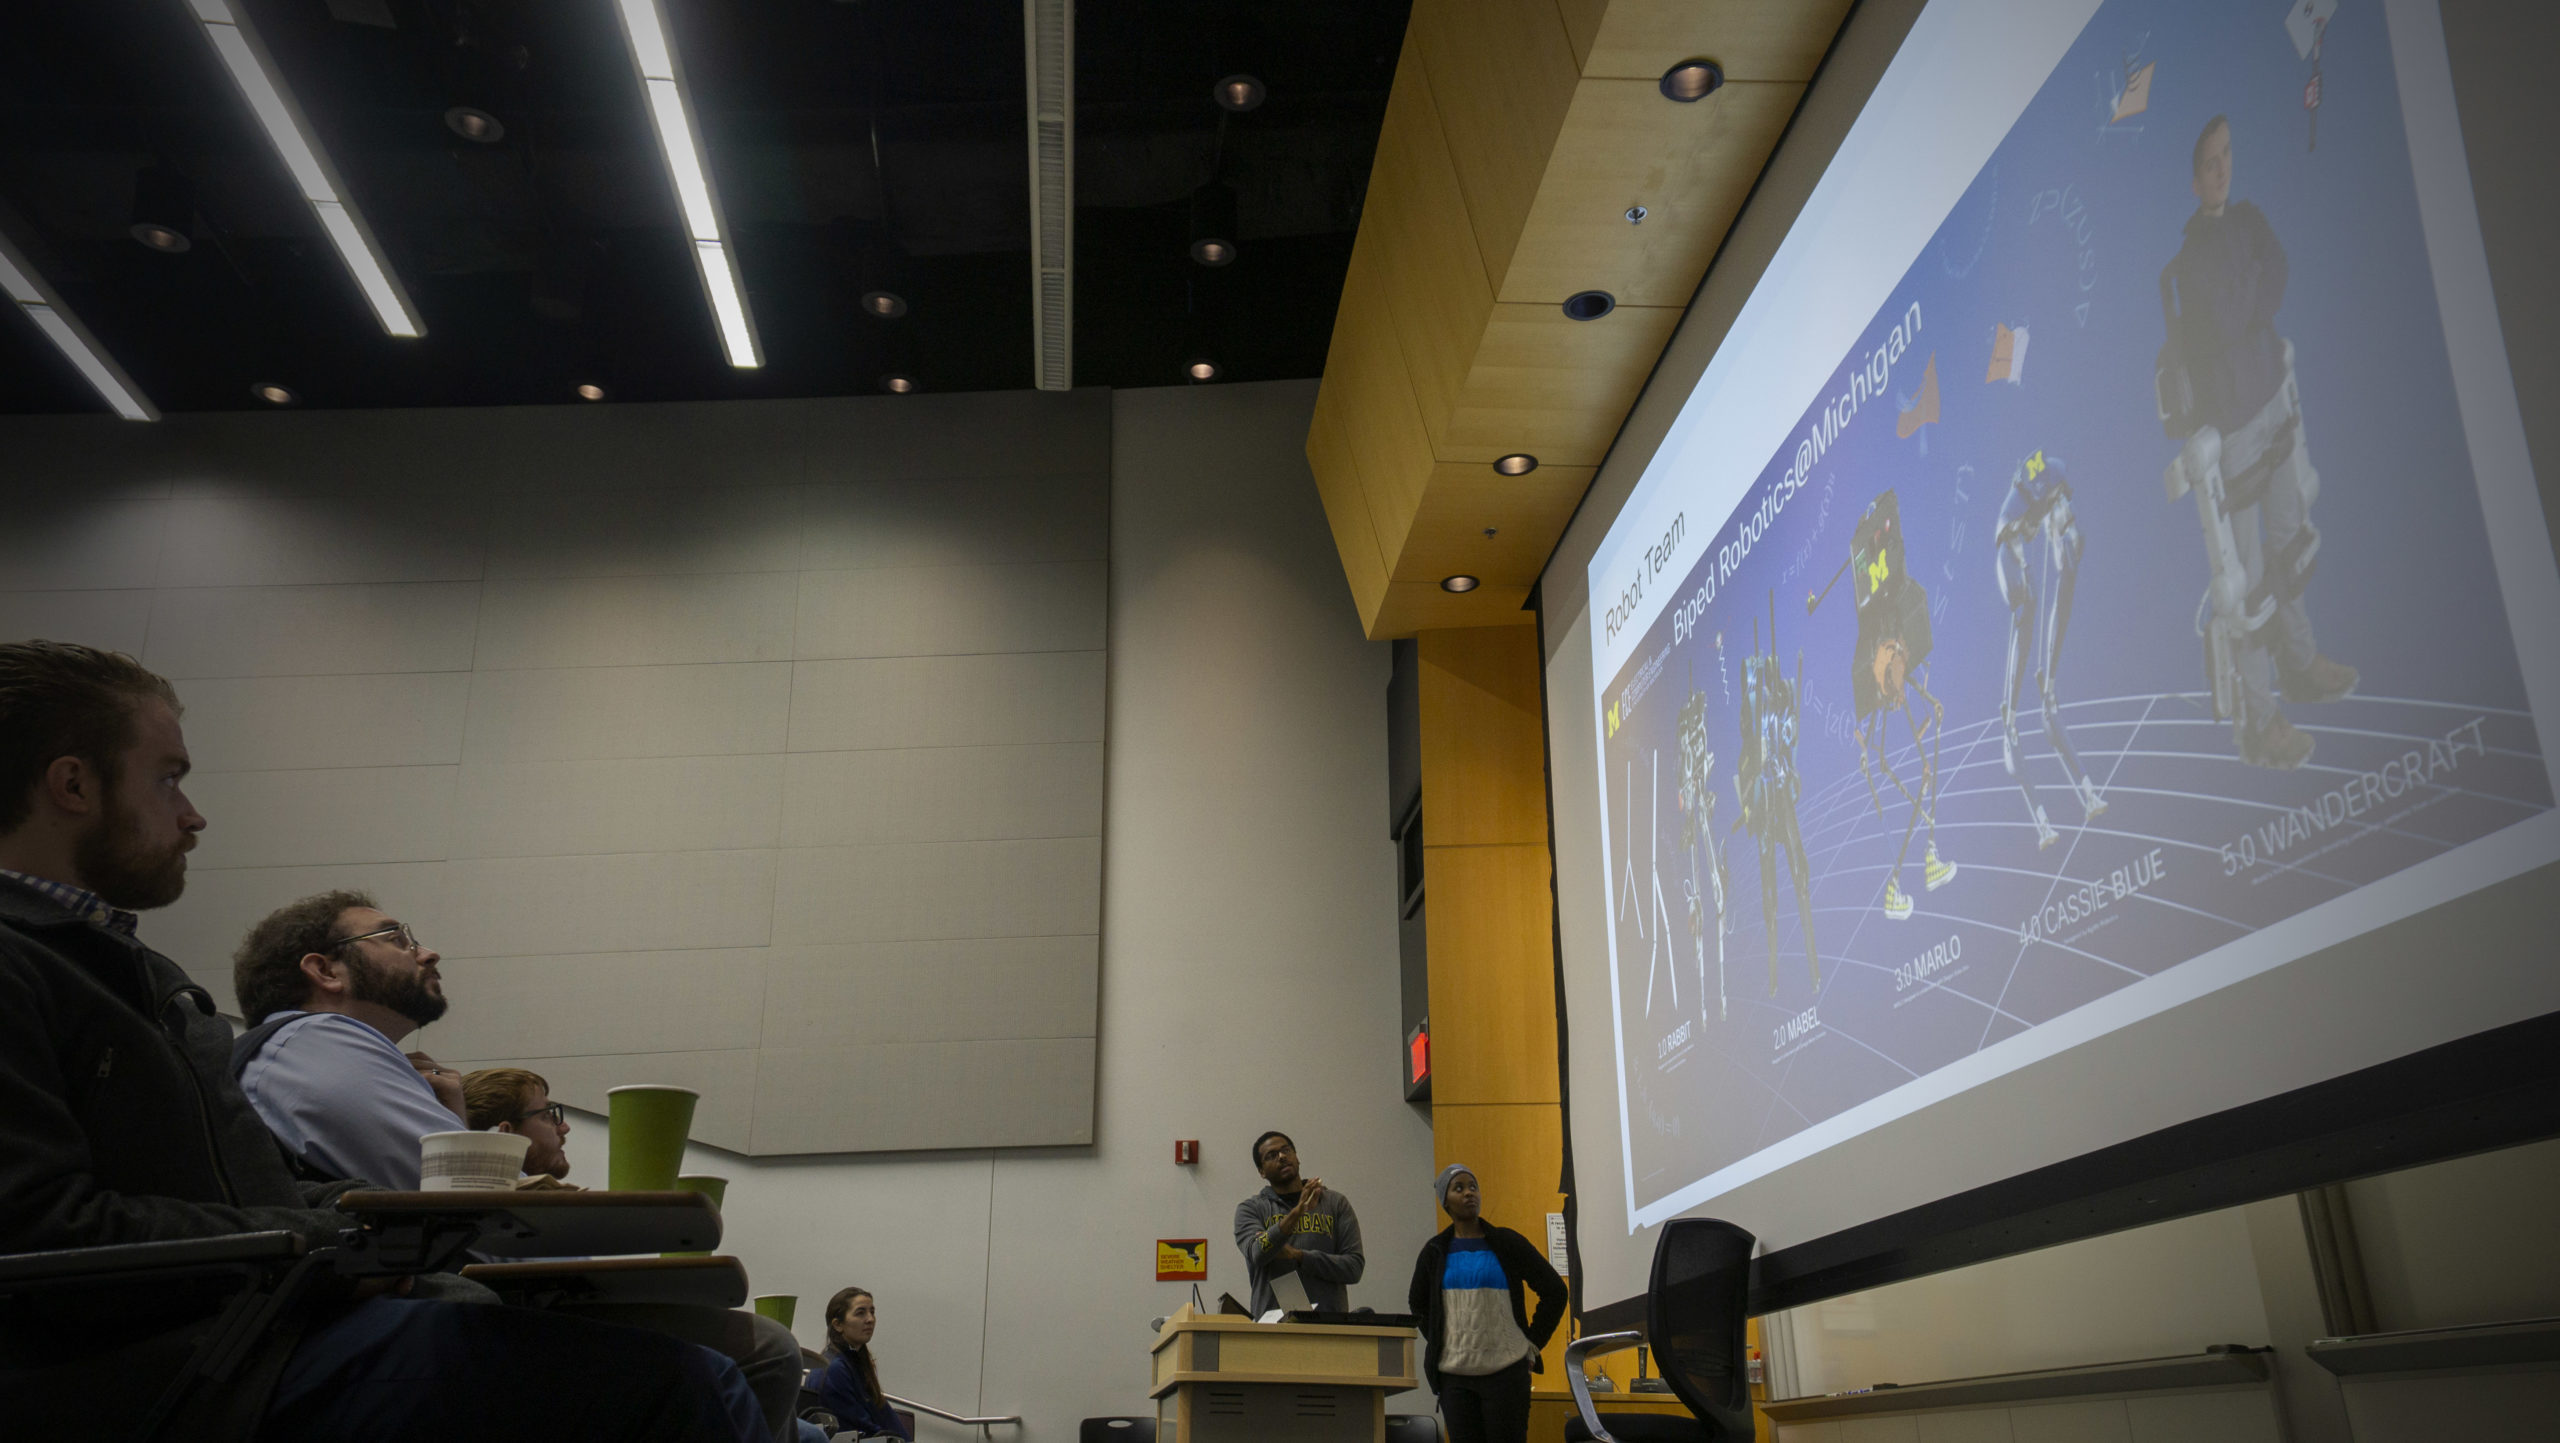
1479, 1343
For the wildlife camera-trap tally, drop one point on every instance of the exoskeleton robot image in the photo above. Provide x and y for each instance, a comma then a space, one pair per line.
2253, 486
1698, 828
2037, 514
1887, 667
1768, 785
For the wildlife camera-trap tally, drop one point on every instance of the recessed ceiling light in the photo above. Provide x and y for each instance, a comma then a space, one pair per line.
887, 305
1518, 463
1240, 92
164, 209
590, 391
168, 240
272, 394
1691, 80
897, 383
472, 123
1589, 305
1202, 369
1213, 224
1459, 583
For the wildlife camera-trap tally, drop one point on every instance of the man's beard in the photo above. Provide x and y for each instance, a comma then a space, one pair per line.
404, 993
123, 869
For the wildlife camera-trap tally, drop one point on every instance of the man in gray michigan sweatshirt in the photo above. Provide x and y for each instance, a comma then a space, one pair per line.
1297, 1226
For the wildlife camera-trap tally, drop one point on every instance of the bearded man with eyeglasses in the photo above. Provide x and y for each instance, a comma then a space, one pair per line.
329, 985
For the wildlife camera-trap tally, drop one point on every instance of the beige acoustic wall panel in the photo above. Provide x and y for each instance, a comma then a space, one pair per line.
1519, 137
756, 747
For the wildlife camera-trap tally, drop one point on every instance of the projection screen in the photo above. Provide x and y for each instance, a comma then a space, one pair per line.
2082, 646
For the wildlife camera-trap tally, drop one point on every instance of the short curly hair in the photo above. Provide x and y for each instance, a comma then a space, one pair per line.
59, 699
266, 970
498, 1094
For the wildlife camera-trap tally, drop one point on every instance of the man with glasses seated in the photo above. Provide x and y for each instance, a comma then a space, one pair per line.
511, 1099
329, 986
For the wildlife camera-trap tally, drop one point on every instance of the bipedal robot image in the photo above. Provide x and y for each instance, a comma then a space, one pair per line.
1769, 787
1888, 665
2038, 508
1697, 826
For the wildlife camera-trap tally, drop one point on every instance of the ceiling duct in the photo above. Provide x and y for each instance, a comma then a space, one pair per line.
1049, 67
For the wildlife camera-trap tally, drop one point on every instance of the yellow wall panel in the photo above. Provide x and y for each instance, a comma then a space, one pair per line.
1413, 607
1483, 742
1380, 421
1435, 279
1624, 145
1553, 386
1502, 74
1751, 39
1346, 509
1526, 514
1493, 1000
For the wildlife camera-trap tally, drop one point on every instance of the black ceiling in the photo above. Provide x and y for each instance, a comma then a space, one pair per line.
554, 256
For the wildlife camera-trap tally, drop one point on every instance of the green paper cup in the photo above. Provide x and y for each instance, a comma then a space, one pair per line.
648, 1123
714, 1188
778, 1306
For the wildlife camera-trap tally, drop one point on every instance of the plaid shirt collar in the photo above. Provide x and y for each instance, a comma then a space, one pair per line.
80, 902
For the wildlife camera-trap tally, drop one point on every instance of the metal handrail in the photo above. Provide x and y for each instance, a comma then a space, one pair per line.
913, 1405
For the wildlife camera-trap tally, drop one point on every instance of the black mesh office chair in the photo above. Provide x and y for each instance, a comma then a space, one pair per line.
1694, 1316
1117, 1430
1413, 1428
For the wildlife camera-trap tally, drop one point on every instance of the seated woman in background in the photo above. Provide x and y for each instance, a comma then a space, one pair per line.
850, 1386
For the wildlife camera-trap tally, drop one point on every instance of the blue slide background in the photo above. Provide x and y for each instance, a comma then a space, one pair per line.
2065, 230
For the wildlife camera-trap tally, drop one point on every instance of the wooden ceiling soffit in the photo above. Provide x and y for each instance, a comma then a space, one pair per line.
1517, 137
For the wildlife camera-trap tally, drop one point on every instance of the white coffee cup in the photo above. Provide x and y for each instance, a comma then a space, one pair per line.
471, 1161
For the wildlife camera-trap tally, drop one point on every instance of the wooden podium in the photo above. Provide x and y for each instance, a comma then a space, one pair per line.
1224, 1379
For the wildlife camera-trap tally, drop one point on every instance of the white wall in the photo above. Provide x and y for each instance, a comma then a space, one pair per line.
1248, 966
673, 727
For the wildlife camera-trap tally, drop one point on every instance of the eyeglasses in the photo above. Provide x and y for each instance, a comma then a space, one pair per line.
398, 932
553, 1112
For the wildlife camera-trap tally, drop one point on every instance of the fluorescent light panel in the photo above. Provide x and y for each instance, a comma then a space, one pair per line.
672, 113
237, 45
71, 338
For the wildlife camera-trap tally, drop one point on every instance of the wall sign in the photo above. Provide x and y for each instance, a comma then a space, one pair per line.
1182, 1260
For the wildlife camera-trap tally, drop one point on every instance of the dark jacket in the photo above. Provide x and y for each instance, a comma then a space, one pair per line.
2230, 273
119, 1122
841, 1388
1522, 1262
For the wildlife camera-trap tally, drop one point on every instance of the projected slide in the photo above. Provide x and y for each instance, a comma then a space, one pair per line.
2126, 591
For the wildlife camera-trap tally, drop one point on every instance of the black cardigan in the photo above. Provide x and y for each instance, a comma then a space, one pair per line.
1521, 1261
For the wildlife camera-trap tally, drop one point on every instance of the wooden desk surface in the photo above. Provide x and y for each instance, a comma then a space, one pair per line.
1551, 1407
553, 1224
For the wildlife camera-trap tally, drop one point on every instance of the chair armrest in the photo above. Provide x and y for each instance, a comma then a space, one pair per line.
143, 1260
1574, 1354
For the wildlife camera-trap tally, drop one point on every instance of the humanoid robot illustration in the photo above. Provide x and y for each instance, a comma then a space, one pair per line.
1698, 828
2225, 386
2037, 512
1768, 785
1887, 667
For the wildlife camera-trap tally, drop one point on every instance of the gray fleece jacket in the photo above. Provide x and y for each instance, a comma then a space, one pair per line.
1329, 1235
